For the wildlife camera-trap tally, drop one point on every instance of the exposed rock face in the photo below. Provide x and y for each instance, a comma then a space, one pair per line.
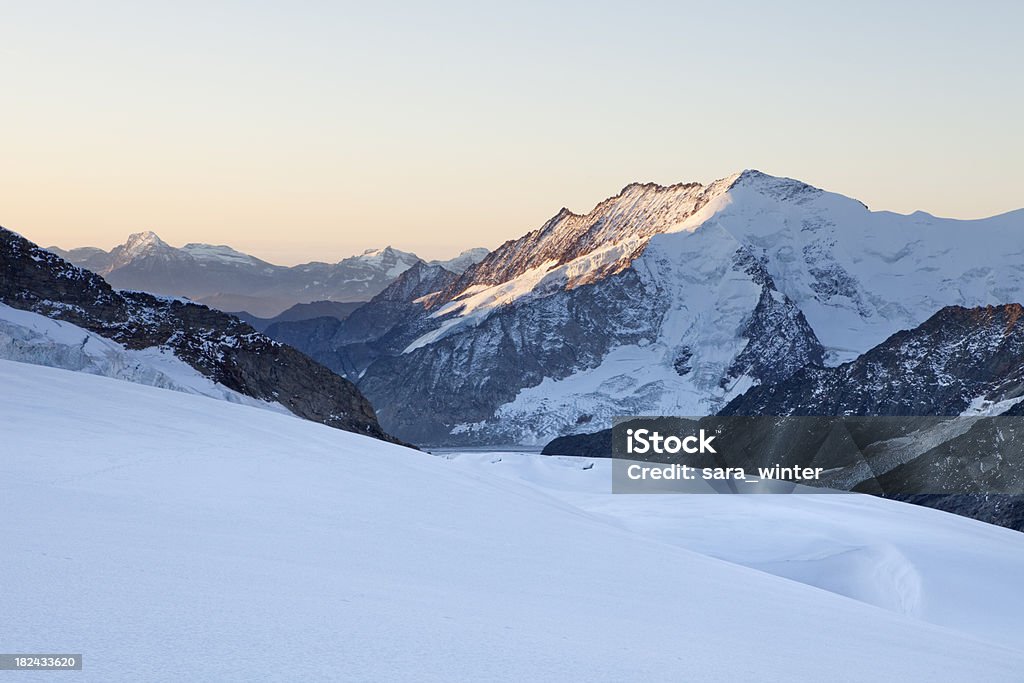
636, 213
220, 346
957, 358
779, 340
585, 444
462, 379
960, 361
1007, 511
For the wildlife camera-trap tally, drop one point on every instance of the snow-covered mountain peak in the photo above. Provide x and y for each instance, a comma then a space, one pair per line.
573, 249
637, 212
675, 299
775, 188
139, 243
138, 247
388, 252
826, 251
390, 261
466, 259
754, 176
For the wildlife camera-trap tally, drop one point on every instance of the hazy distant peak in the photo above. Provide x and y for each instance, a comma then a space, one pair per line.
464, 260
142, 241
218, 252
384, 252
139, 245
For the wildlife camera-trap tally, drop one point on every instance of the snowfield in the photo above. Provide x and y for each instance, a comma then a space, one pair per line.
169, 536
934, 566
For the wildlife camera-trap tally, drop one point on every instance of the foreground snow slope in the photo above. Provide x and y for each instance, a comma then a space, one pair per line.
167, 536
937, 567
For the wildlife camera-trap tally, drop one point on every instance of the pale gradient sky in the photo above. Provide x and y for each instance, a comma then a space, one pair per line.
314, 130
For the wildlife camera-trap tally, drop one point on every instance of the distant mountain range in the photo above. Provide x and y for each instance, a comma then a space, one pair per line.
229, 280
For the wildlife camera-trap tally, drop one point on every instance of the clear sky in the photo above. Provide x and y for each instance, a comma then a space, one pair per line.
300, 130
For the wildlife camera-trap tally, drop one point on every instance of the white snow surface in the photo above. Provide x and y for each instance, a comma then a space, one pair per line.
28, 337
379, 258
931, 565
167, 536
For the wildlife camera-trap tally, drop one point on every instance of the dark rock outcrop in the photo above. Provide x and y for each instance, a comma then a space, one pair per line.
956, 356
592, 445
